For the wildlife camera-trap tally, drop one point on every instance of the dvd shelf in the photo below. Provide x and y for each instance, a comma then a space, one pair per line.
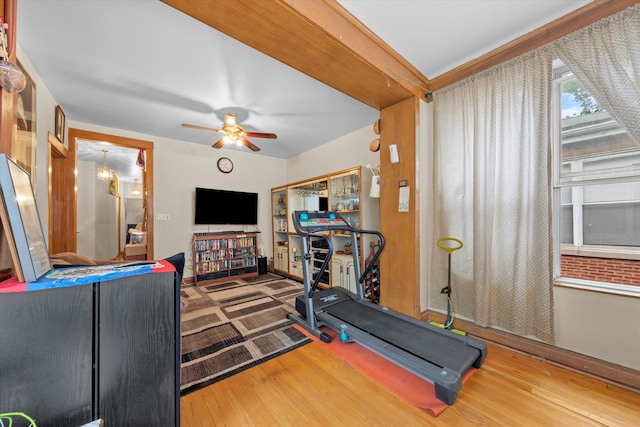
223, 256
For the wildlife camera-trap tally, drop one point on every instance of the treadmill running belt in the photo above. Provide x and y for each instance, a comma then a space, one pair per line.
437, 348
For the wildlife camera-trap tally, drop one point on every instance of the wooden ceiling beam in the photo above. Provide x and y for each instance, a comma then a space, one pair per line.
318, 38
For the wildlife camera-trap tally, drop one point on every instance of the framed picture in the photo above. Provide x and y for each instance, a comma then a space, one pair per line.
60, 119
21, 222
23, 150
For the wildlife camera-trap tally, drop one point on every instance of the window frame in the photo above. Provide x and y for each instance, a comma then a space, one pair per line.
561, 74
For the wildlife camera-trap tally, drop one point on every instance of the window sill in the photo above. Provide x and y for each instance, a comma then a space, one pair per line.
617, 252
602, 287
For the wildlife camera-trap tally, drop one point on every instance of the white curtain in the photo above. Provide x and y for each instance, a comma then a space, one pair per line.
605, 57
492, 190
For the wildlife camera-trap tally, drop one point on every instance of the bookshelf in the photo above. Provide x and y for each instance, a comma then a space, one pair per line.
223, 256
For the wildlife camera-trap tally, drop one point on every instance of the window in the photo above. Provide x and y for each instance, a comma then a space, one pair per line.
596, 189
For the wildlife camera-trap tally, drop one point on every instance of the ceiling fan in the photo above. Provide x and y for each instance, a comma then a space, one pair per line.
235, 133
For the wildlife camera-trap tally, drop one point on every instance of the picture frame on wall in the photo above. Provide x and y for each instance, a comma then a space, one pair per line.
60, 123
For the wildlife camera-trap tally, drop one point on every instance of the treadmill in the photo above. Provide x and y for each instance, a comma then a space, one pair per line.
434, 354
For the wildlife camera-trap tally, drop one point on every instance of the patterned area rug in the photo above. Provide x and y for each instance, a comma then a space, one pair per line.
229, 327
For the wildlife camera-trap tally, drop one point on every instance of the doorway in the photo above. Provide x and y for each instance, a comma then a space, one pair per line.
65, 174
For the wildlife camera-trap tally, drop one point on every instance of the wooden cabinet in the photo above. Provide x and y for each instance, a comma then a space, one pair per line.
281, 259
218, 257
295, 269
343, 272
79, 352
295, 256
46, 354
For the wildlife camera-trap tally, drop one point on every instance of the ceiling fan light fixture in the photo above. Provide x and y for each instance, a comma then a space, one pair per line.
231, 119
234, 133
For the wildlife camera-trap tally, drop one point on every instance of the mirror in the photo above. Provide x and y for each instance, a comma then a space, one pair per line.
309, 196
107, 207
312, 196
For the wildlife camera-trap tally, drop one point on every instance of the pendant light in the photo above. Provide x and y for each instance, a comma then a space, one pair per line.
136, 191
104, 173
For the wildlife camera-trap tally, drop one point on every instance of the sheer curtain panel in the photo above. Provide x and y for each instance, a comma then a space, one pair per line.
605, 57
492, 190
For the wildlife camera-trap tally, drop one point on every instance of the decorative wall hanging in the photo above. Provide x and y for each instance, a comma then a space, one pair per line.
60, 123
113, 184
12, 79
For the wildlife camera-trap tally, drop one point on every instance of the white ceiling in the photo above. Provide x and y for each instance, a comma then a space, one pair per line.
142, 66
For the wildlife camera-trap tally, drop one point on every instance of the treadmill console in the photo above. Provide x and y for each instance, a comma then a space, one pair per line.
319, 221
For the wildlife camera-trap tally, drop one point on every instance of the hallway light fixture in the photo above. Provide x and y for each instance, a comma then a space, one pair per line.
104, 173
136, 191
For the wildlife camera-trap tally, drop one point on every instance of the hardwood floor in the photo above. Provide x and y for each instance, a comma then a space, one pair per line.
311, 387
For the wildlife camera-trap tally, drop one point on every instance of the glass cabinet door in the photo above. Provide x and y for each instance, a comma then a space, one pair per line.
279, 207
345, 196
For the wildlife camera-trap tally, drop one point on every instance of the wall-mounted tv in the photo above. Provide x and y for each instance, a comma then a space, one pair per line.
225, 207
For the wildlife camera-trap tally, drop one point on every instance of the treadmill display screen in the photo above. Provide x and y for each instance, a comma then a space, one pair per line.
321, 220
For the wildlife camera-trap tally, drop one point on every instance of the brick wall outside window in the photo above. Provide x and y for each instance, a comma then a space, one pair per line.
623, 271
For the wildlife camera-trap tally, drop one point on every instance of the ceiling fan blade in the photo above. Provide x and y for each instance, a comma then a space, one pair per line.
187, 125
250, 145
261, 135
219, 143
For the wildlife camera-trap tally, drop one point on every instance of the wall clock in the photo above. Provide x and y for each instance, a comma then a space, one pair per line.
225, 164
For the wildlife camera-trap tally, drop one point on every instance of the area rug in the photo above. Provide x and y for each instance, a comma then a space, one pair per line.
412, 388
229, 327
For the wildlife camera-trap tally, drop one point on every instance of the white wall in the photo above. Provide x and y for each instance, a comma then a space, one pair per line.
346, 152
106, 220
600, 325
86, 207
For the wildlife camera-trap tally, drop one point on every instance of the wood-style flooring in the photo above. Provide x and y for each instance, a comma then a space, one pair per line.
311, 387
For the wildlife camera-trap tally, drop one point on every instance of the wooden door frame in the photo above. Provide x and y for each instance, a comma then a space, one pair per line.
63, 215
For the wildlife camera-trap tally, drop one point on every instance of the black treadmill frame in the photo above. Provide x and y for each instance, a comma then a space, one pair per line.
314, 309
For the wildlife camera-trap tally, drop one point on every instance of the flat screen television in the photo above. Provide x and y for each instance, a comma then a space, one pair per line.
225, 207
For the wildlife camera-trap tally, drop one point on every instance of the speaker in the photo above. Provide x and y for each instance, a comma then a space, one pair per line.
262, 265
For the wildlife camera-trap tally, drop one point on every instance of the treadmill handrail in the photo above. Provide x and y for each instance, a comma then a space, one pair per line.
376, 254
325, 264
316, 230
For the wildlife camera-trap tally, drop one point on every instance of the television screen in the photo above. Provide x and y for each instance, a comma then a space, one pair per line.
226, 207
